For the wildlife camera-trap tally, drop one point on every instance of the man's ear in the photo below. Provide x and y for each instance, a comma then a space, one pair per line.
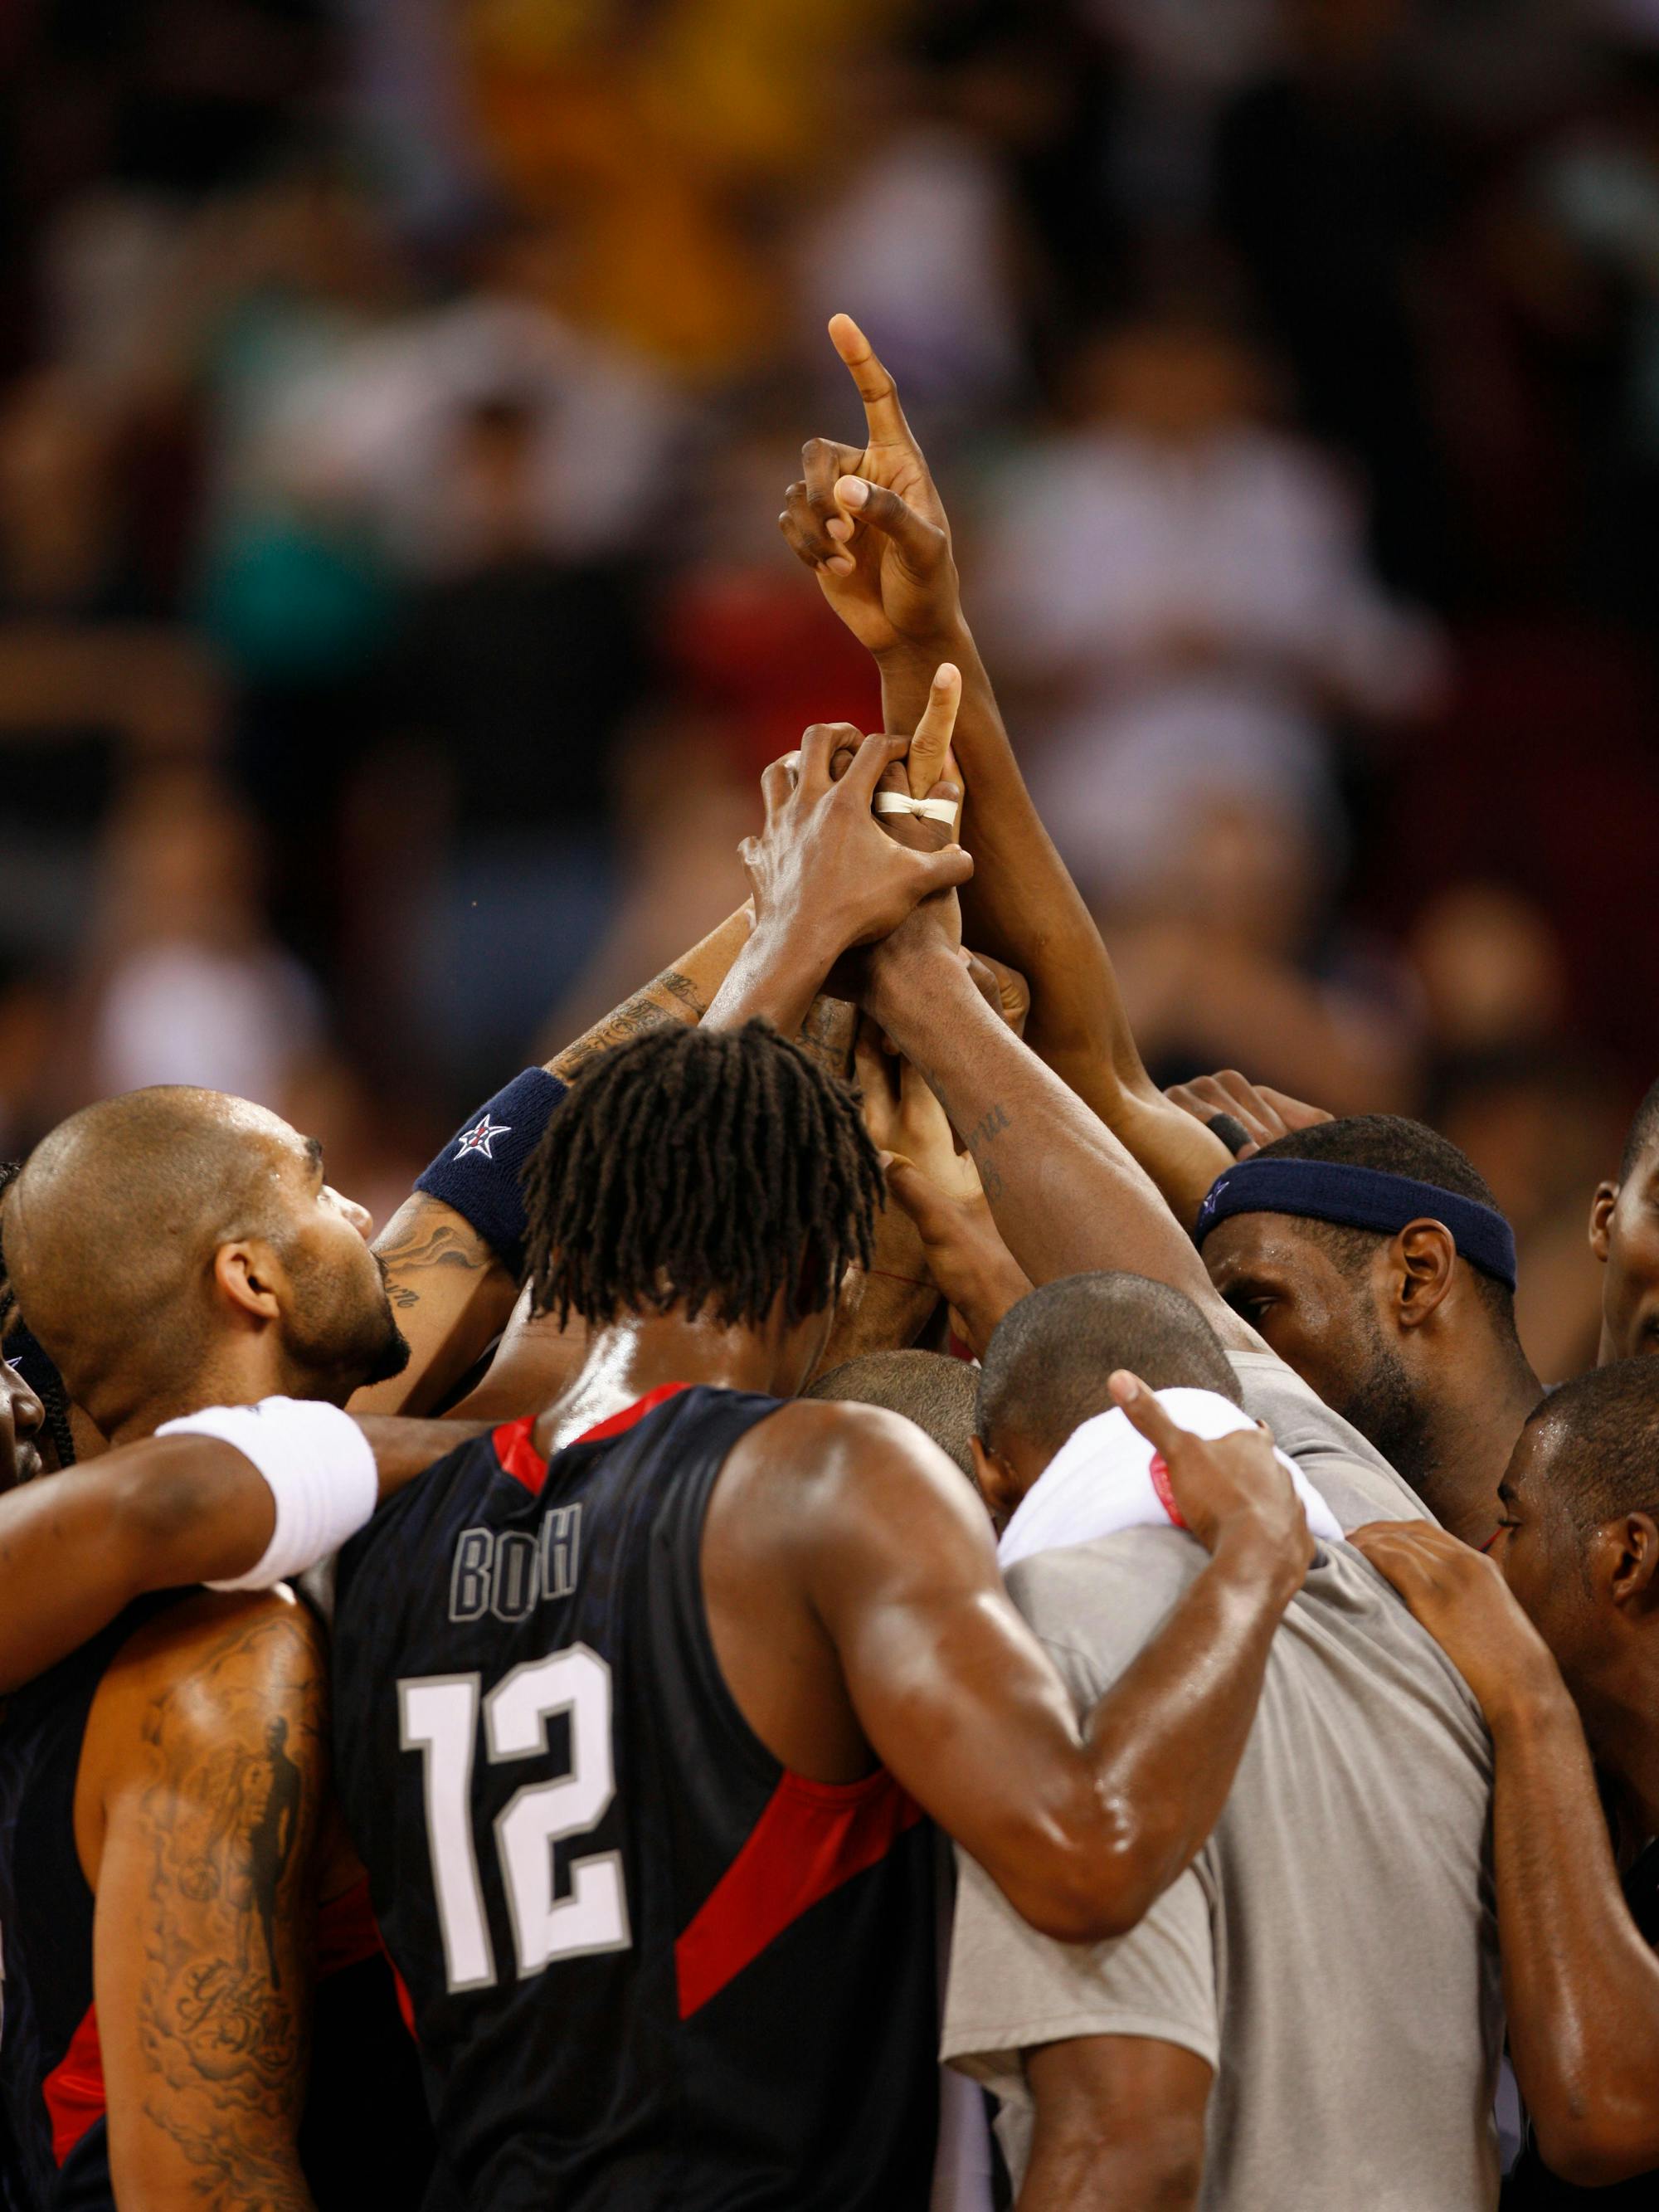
1601, 1220
1423, 1259
998, 1486
248, 1274
1624, 1557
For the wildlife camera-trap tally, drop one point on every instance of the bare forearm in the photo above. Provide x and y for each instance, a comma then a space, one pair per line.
157, 1516
451, 1294
1066, 1195
681, 994
1023, 906
775, 978
1169, 1734
1092, 2176
1581, 1987
161, 1515
1119, 2126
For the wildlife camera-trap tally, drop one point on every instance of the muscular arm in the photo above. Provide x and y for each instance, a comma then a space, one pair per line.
1080, 1825
1023, 908
883, 560
78, 1547
1119, 2126
449, 1289
209, 1747
1065, 1193
1581, 1987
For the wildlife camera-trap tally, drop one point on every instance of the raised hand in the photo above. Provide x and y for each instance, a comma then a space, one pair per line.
1229, 1486
824, 862
868, 521
1229, 1104
825, 873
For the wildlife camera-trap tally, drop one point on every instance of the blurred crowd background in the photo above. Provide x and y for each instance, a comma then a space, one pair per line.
396, 402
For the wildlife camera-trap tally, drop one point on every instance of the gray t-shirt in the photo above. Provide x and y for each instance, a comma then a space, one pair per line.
1350, 1473
1332, 1952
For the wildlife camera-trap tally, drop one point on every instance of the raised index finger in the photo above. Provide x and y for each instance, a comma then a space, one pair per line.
931, 744
1146, 1414
884, 416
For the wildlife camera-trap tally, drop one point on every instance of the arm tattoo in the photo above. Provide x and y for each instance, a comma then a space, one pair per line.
672, 998
980, 1139
414, 1245
229, 1818
826, 1035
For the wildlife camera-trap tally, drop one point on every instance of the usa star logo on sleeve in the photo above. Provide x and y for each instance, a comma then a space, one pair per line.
481, 1137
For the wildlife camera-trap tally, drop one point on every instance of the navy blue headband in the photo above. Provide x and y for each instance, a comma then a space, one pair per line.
1359, 1197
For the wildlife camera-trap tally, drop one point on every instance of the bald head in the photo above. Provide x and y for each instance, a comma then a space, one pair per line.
114, 1226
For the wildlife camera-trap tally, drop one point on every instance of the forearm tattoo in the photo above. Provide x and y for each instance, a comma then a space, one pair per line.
980, 1139
828, 1033
415, 1245
672, 998
223, 2000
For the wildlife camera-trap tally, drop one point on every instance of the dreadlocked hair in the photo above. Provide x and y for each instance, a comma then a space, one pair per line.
700, 1168
43, 1373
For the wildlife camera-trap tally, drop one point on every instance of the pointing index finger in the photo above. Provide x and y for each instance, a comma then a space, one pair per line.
930, 746
1145, 1414
884, 416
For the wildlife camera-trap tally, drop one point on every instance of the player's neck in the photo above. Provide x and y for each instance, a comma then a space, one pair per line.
629, 1357
238, 1373
1465, 1434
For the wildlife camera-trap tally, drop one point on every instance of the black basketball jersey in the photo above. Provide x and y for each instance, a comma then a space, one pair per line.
649, 1967
366, 2137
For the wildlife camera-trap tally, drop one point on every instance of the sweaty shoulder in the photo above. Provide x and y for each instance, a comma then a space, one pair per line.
836, 1487
832, 1446
1348, 1471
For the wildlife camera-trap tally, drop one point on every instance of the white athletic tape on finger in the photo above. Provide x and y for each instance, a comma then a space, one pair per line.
930, 810
318, 1466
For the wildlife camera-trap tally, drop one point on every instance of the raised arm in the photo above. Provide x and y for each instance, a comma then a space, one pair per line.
1581, 1987
1081, 1824
451, 1290
206, 1758
870, 524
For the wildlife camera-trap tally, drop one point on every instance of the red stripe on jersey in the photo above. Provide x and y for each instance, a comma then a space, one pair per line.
405, 2002
74, 2090
347, 1931
519, 1456
811, 1838
521, 1459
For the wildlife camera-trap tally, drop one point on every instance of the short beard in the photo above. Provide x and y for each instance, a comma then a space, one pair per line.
1387, 1412
354, 1349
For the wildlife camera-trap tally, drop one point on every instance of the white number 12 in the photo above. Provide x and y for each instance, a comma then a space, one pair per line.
439, 1717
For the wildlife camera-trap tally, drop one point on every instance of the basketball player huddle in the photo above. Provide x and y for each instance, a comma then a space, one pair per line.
569, 1705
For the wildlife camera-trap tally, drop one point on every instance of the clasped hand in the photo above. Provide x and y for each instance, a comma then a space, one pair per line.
830, 875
